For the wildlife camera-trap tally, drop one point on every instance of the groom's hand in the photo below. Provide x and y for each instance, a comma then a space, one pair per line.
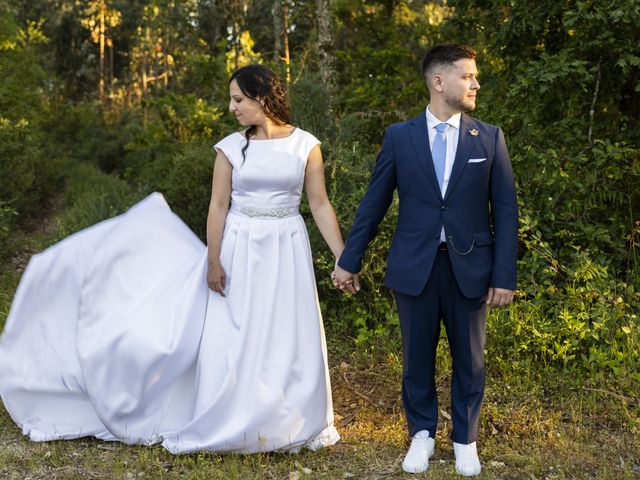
499, 297
345, 281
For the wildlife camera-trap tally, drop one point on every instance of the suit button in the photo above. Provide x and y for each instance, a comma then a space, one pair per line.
443, 208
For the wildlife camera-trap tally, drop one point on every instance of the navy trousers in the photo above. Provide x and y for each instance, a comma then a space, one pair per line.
464, 320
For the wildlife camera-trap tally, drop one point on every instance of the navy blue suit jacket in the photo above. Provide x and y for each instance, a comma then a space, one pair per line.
479, 210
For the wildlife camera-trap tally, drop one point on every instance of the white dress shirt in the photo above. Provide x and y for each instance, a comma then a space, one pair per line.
452, 133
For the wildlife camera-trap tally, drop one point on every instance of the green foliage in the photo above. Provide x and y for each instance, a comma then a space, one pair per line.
186, 184
146, 153
379, 52
21, 75
20, 167
586, 328
7, 220
92, 196
205, 77
27, 176
370, 316
584, 200
187, 117
311, 106
173, 154
81, 132
561, 78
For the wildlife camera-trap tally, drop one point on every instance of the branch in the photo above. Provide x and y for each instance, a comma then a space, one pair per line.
593, 102
361, 395
613, 394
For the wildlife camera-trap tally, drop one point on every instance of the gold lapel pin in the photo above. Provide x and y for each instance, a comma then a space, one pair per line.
473, 132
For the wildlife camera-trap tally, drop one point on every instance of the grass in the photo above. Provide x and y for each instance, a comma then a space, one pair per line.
540, 425
525, 434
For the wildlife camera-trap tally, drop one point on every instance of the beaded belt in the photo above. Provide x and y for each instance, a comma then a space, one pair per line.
277, 212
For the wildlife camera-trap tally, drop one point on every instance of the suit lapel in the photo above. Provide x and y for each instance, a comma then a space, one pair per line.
465, 146
420, 137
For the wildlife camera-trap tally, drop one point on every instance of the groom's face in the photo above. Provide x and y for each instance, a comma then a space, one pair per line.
460, 84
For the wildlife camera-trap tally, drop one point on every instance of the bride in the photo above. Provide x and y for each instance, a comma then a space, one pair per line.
133, 330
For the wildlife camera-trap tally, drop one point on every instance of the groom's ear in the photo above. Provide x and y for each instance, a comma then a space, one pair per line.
436, 82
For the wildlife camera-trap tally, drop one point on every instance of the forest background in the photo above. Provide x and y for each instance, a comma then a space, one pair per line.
105, 101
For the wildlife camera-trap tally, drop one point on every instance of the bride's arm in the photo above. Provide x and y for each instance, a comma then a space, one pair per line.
321, 209
218, 208
319, 203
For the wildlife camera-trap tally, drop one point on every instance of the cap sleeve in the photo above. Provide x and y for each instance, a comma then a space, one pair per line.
231, 146
308, 144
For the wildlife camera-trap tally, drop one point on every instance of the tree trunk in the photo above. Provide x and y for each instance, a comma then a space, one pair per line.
211, 14
276, 11
144, 78
285, 38
144, 65
111, 74
237, 16
165, 63
236, 27
103, 9
325, 42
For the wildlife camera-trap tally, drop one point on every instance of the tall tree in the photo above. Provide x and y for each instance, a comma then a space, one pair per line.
276, 11
99, 18
210, 22
285, 40
326, 42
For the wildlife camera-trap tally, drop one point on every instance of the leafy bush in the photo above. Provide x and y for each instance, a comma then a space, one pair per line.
370, 316
561, 79
311, 106
22, 78
91, 196
586, 327
186, 184
81, 132
7, 220
27, 177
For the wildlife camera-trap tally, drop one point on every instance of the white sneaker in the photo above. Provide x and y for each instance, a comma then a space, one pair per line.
467, 461
417, 458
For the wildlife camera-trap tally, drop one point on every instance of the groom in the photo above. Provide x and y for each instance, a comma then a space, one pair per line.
454, 248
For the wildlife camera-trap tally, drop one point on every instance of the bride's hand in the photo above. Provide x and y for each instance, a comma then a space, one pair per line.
345, 281
216, 277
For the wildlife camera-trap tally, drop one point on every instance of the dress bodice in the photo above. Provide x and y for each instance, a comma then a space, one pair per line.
271, 174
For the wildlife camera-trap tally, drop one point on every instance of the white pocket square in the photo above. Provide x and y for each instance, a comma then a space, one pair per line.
476, 160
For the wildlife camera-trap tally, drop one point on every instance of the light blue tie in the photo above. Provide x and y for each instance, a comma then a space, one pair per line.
439, 151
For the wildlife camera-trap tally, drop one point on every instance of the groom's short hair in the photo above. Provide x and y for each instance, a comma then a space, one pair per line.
444, 55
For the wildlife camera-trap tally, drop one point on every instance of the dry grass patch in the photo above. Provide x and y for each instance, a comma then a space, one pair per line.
576, 435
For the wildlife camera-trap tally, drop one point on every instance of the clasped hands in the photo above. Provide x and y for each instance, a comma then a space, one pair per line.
345, 281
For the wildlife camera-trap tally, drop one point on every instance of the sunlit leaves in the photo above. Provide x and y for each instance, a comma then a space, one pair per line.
98, 13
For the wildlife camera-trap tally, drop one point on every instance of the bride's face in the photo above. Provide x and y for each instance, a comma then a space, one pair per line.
247, 110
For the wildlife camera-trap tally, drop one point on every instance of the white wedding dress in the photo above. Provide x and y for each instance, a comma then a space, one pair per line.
114, 333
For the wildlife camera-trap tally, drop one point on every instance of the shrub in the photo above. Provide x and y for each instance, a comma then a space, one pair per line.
27, 177
311, 107
91, 196
370, 316
186, 185
82, 133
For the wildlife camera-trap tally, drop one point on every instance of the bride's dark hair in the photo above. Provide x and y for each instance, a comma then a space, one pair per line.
259, 83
